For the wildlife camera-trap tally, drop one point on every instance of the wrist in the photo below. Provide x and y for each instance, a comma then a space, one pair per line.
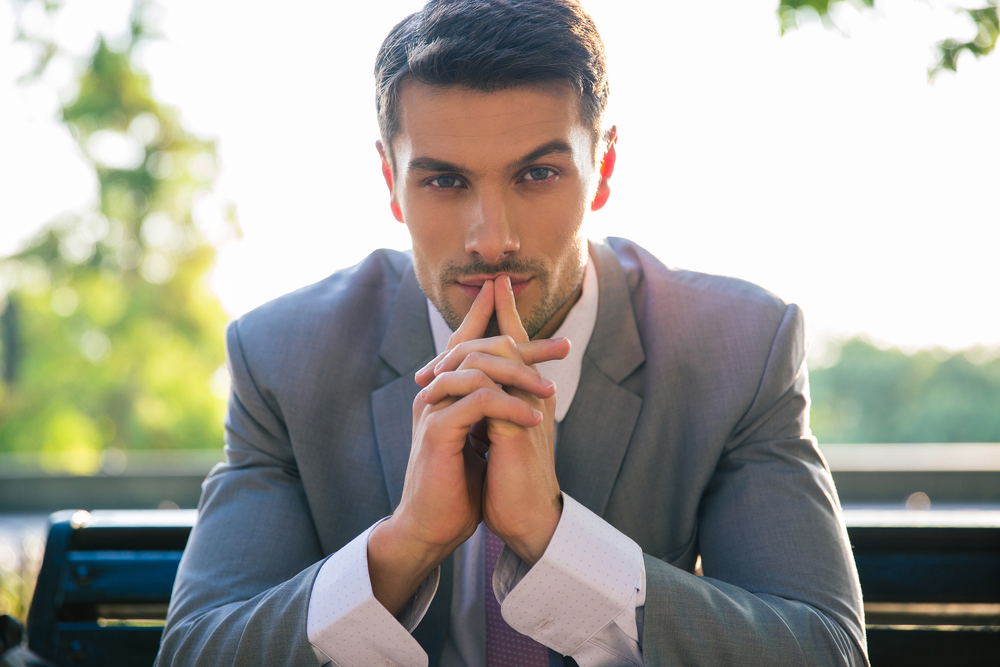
398, 564
531, 546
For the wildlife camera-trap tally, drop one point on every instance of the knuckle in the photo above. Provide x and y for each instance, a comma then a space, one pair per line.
477, 376
481, 396
431, 420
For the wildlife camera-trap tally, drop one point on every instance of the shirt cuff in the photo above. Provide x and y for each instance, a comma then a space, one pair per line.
590, 576
348, 626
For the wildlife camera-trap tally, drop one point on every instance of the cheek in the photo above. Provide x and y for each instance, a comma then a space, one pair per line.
561, 227
425, 276
432, 246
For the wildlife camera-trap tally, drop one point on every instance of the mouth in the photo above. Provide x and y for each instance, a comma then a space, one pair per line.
471, 285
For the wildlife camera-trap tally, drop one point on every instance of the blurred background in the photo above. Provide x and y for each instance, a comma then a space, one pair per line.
165, 167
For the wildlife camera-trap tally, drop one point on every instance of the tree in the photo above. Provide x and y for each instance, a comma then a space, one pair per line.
985, 19
110, 336
873, 395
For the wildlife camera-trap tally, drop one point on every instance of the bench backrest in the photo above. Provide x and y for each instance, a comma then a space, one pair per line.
931, 582
104, 586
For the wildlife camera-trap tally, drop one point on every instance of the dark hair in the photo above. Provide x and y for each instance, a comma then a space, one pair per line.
490, 46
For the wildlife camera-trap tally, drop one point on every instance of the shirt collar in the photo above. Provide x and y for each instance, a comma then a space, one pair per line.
577, 327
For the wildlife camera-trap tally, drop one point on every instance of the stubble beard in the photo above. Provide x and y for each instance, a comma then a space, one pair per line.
533, 322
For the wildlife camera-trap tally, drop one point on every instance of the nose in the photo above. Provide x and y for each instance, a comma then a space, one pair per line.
491, 233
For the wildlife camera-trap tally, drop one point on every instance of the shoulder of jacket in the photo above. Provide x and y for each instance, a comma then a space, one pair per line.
368, 285
643, 269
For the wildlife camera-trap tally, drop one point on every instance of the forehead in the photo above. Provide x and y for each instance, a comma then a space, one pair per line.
475, 127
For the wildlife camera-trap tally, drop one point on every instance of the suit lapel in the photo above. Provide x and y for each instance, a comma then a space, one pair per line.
598, 427
406, 347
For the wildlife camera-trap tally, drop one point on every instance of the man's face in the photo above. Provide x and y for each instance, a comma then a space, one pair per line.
491, 184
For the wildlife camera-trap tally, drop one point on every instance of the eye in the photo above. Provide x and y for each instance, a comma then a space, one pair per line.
445, 182
538, 174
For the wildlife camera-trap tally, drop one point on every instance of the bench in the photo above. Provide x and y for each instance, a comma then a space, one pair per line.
931, 581
104, 586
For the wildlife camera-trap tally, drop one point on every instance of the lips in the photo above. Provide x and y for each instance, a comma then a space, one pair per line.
470, 286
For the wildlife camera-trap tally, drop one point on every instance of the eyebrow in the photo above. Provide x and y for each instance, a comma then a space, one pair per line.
429, 164
554, 147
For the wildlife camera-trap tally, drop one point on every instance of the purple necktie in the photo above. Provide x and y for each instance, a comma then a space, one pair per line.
505, 646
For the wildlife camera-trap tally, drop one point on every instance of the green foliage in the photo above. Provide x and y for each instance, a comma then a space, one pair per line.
880, 396
20, 559
986, 20
110, 336
790, 11
987, 30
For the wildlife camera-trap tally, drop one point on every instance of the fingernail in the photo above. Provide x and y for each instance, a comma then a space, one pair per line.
549, 384
438, 367
538, 415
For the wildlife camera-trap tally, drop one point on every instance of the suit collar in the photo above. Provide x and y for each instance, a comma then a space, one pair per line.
407, 343
615, 346
595, 435
406, 346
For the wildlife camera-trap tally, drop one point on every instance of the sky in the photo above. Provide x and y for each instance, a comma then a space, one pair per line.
821, 164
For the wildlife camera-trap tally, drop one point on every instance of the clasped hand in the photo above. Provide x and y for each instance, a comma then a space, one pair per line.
480, 394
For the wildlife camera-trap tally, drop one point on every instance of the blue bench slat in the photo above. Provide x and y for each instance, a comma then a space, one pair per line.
970, 647
90, 645
119, 577
132, 558
911, 577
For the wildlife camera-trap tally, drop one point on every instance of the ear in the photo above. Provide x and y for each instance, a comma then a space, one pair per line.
607, 168
397, 212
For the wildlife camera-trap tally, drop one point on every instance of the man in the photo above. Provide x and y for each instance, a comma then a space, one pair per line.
399, 460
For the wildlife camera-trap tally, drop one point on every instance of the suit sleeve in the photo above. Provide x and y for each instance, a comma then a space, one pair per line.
780, 585
242, 590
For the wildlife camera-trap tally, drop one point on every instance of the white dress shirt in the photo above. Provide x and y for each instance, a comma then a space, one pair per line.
597, 571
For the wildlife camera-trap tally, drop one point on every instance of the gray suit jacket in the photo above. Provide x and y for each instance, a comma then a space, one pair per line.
689, 433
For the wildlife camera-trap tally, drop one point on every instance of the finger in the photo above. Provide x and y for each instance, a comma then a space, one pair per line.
458, 384
424, 376
498, 346
506, 309
530, 353
419, 408
546, 349
459, 416
474, 324
510, 374
485, 372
